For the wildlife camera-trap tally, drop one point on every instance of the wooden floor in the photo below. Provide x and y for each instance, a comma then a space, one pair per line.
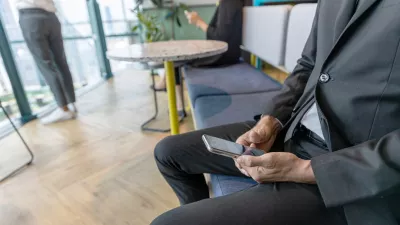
98, 169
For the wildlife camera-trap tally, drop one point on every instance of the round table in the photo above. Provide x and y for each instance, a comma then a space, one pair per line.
169, 52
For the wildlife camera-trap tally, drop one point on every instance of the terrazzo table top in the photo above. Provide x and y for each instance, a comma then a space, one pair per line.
168, 51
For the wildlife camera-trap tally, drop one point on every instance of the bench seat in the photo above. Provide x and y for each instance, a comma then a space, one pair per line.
225, 185
213, 111
240, 78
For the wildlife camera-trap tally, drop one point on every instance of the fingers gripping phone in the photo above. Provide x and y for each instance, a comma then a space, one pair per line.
227, 148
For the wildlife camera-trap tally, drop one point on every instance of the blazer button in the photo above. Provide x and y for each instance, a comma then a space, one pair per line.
324, 78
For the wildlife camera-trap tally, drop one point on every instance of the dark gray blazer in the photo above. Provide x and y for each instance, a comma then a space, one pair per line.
351, 68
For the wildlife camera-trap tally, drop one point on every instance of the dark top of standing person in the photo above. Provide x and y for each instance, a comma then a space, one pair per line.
226, 25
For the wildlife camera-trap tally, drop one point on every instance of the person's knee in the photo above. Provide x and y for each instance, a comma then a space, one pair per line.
172, 217
161, 220
166, 149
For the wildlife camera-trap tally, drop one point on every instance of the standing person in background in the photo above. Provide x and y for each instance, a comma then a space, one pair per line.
42, 32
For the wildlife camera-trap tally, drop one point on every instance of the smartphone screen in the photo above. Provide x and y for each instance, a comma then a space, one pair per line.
227, 146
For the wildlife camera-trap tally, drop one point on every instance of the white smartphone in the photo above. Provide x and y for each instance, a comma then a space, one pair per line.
227, 148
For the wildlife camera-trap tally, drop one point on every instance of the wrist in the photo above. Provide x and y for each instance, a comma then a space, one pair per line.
273, 122
200, 23
304, 172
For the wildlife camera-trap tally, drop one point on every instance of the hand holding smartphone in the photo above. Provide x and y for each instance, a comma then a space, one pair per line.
227, 148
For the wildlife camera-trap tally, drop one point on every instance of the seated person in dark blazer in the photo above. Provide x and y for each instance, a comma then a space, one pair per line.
331, 135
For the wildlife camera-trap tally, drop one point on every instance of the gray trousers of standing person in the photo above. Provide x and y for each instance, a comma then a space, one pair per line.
42, 32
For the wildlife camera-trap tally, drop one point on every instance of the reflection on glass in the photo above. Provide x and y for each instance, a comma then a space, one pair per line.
118, 21
120, 42
37, 91
81, 56
6, 97
117, 16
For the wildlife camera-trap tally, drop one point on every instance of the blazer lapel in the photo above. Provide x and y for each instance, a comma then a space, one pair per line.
363, 7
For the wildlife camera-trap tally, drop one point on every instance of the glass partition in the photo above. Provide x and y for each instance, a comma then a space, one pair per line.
6, 96
79, 47
117, 16
118, 21
85, 44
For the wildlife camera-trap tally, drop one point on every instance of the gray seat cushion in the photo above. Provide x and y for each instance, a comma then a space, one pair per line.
218, 110
224, 185
240, 78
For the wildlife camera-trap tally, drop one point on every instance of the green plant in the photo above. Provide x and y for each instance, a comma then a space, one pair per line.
149, 25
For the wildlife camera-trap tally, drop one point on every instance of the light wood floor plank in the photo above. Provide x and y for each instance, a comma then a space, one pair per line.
96, 170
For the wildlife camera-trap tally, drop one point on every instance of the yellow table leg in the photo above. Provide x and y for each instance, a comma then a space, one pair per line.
253, 60
173, 113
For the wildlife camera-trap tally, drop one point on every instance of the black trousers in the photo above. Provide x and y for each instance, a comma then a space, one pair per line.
183, 159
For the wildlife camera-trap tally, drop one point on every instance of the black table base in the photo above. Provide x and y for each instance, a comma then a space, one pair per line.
31, 156
145, 125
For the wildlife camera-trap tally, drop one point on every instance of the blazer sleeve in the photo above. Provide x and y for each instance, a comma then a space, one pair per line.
369, 170
281, 105
221, 29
